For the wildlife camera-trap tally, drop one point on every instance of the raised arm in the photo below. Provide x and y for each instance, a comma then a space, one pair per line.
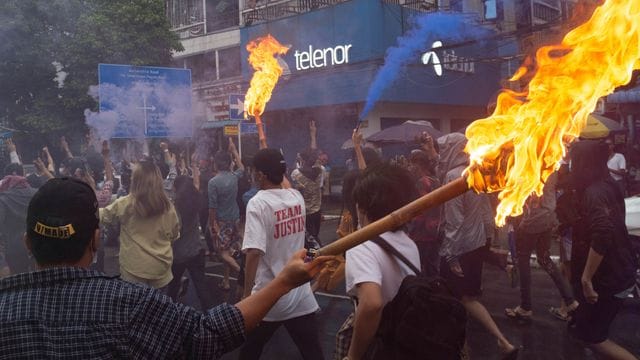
236, 157
313, 133
195, 172
42, 170
356, 138
13, 153
51, 166
65, 148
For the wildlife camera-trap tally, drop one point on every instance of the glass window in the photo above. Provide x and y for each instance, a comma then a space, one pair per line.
229, 62
203, 67
222, 14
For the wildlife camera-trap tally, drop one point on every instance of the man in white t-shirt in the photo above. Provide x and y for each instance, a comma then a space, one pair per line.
374, 276
274, 230
617, 166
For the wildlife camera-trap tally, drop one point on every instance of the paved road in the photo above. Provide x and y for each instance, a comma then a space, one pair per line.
545, 338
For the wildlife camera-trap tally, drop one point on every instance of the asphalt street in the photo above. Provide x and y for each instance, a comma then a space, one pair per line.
544, 338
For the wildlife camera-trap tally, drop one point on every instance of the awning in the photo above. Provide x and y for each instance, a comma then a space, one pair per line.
599, 126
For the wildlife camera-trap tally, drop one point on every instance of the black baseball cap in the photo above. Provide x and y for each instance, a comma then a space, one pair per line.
271, 163
63, 209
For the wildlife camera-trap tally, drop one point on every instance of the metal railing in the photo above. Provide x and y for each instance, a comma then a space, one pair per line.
257, 11
418, 5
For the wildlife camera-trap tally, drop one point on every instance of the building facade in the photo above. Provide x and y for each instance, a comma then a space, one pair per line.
336, 49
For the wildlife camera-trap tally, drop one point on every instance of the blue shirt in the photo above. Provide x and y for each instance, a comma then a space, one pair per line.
73, 313
223, 191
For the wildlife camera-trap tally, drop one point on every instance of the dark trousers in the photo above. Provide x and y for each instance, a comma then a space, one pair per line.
541, 243
195, 265
429, 257
313, 224
204, 225
303, 330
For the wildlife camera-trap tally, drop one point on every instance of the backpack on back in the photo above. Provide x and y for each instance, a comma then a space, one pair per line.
422, 321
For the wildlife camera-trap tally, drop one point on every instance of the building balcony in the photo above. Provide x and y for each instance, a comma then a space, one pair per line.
258, 11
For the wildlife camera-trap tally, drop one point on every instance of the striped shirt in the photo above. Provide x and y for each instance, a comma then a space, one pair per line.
73, 313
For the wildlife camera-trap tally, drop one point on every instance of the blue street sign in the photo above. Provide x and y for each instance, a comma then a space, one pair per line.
144, 101
251, 128
236, 107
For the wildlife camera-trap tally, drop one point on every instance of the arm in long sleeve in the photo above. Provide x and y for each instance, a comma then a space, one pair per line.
454, 217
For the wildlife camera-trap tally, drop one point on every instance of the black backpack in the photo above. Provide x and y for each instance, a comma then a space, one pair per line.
423, 320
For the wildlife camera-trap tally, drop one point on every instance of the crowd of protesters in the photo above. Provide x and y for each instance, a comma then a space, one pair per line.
169, 214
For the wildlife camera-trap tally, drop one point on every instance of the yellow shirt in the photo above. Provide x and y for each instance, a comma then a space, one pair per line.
145, 243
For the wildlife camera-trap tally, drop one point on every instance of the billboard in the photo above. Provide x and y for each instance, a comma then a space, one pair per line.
144, 101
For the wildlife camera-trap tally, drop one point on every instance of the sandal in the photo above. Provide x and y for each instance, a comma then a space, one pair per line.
518, 313
557, 313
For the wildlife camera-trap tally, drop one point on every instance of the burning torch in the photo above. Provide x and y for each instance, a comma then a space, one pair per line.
520, 145
262, 57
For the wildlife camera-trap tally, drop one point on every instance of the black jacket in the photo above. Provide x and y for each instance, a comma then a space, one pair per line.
601, 225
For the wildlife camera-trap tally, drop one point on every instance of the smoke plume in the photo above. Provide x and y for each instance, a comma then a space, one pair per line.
425, 29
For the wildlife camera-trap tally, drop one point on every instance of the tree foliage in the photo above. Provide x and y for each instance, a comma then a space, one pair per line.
35, 35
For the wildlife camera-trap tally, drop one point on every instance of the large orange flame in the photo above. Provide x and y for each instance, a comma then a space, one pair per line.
262, 52
516, 149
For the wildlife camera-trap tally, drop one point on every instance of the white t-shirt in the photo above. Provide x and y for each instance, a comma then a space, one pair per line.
368, 262
617, 162
276, 226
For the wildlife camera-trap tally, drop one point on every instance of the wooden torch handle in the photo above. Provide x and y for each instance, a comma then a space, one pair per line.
396, 218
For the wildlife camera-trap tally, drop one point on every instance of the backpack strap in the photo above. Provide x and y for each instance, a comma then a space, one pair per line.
392, 251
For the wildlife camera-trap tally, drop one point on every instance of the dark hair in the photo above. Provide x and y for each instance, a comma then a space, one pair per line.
187, 197
222, 160
309, 156
60, 202
371, 156
421, 159
14, 169
271, 163
382, 189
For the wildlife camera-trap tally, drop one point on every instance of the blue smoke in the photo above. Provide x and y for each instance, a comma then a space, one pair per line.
425, 29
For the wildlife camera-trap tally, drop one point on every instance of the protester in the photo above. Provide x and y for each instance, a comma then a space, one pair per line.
617, 165
373, 276
188, 250
534, 232
206, 174
308, 179
15, 194
148, 226
64, 310
274, 230
602, 259
224, 213
464, 246
425, 229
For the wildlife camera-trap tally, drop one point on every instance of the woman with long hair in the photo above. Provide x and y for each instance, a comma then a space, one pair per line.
148, 226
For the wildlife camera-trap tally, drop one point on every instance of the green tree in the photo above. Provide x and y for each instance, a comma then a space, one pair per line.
35, 35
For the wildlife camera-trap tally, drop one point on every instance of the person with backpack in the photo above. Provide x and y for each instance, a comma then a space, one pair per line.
463, 249
373, 276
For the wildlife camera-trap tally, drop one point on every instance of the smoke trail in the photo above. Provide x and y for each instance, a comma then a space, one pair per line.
425, 30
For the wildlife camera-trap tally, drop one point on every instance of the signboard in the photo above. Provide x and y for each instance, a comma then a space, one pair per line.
143, 101
236, 107
249, 128
230, 130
